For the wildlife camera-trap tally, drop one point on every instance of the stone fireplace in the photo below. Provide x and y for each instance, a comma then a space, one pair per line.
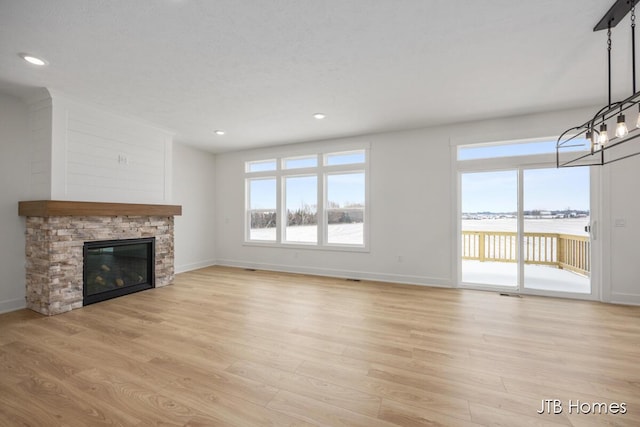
56, 233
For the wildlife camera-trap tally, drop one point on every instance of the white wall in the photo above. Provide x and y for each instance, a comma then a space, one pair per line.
411, 172
40, 127
194, 189
622, 230
81, 152
391, 189
14, 186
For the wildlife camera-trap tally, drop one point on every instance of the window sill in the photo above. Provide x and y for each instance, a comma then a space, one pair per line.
309, 246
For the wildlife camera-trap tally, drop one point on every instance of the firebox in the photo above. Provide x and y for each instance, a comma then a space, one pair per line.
113, 268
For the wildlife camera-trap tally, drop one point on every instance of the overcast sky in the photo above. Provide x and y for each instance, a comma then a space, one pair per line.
544, 189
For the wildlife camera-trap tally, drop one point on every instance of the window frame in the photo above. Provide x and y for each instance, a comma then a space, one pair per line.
328, 209
249, 210
514, 150
247, 165
285, 211
283, 162
322, 171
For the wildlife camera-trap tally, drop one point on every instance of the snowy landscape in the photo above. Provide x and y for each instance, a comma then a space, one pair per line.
495, 273
353, 233
573, 226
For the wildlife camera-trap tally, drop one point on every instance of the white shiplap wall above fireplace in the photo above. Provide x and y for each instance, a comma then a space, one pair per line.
80, 152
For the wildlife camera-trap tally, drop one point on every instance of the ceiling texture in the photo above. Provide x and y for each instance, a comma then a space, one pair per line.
260, 69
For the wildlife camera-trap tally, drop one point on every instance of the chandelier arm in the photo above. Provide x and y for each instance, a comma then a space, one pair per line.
589, 125
584, 156
560, 143
633, 47
603, 112
622, 158
609, 62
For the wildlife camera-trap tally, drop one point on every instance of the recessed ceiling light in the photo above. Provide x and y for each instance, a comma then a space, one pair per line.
219, 132
33, 59
319, 116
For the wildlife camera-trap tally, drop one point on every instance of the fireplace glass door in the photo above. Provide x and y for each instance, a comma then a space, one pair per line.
113, 268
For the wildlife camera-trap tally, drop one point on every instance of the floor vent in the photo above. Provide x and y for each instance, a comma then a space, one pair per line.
504, 294
353, 280
249, 269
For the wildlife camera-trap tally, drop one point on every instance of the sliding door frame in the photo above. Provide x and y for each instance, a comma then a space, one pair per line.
520, 164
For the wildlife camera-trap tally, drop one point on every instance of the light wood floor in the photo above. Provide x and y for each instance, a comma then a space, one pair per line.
231, 347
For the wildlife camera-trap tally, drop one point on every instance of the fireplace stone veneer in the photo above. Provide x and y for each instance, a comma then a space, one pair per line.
54, 252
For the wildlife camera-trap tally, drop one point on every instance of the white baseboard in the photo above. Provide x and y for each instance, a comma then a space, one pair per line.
626, 299
194, 266
347, 274
12, 305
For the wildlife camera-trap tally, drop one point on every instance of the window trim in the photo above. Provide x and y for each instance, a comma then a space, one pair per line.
321, 171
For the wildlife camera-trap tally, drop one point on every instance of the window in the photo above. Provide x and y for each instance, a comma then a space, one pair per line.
315, 200
345, 208
262, 212
333, 159
261, 165
300, 162
489, 151
301, 201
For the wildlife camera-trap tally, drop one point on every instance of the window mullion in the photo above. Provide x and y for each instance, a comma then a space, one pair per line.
322, 227
280, 210
247, 209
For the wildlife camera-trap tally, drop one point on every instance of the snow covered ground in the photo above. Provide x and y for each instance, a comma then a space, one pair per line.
538, 277
338, 233
353, 233
573, 226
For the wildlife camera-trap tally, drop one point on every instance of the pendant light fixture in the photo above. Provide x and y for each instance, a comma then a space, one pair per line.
601, 143
621, 127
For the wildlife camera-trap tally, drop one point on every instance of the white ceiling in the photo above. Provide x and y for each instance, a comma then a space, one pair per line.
259, 69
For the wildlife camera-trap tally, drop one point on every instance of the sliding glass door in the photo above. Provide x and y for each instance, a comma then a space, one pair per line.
556, 218
490, 228
526, 230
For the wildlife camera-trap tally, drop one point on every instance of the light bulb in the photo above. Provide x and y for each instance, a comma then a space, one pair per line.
603, 139
621, 127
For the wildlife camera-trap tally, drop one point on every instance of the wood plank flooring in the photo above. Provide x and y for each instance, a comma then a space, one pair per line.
230, 347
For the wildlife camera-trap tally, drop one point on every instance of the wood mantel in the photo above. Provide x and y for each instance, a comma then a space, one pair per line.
49, 208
